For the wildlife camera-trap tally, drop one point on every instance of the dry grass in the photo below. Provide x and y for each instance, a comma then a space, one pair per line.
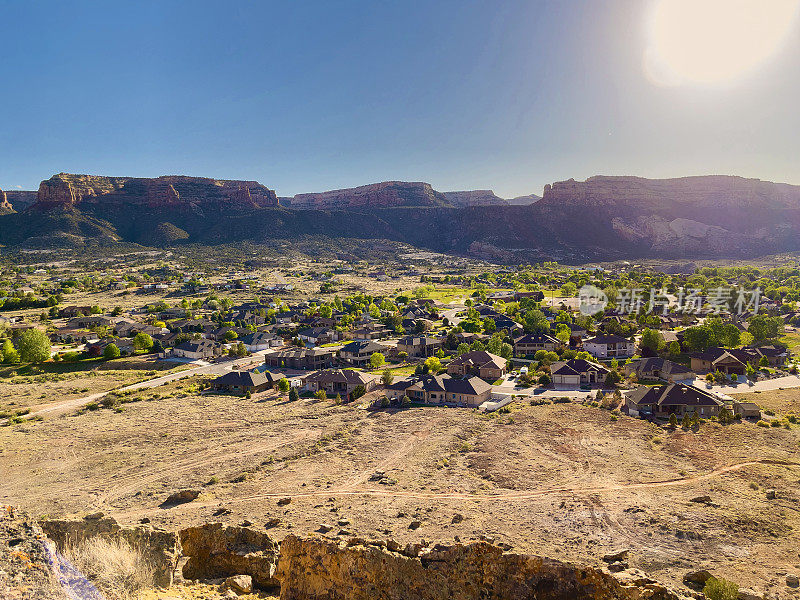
120, 571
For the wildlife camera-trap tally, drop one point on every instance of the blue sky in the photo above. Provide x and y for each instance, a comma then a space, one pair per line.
306, 96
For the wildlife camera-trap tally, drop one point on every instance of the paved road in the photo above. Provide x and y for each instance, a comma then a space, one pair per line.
206, 369
765, 385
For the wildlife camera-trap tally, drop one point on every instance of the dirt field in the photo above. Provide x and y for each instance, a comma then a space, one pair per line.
560, 480
782, 402
52, 382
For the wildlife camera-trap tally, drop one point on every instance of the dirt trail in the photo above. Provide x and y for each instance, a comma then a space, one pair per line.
517, 495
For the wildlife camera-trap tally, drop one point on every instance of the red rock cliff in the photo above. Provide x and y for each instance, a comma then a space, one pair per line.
69, 190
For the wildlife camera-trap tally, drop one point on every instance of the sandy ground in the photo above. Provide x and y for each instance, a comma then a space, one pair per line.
561, 480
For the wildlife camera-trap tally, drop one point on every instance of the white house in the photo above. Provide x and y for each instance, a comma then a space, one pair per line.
609, 346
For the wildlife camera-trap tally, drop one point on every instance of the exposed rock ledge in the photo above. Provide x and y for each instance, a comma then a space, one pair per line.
326, 569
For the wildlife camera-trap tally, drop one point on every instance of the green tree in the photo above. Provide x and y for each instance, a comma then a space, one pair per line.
294, 395
10, 353
325, 311
377, 360
111, 351
387, 378
357, 392
321, 395
652, 340
462, 349
33, 346
142, 341
489, 326
433, 364
535, 321
230, 335
283, 385
674, 348
402, 356
762, 327
673, 421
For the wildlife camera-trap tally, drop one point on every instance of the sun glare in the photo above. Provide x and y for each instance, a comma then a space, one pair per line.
714, 41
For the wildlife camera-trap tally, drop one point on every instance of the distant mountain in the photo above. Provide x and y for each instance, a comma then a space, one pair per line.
600, 218
474, 198
523, 200
375, 195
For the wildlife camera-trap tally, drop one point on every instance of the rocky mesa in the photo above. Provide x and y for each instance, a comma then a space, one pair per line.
169, 191
387, 194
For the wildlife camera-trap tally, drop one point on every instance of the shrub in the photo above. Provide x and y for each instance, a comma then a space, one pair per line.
321, 395
762, 423
109, 401
92, 406
120, 571
357, 392
721, 589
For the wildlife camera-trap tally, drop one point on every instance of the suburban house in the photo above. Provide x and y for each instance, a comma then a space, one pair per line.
609, 345
318, 335
659, 368
358, 352
735, 360
82, 322
577, 372
443, 389
241, 382
419, 346
255, 342
69, 312
481, 363
531, 343
73, 335
673, 398
300, 358
747, 410
371, 331
197, 349
339, 381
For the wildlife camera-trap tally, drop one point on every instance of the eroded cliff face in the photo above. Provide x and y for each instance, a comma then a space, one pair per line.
377, 195
311, 569
474, 198
708, 191
357, 569
691, 216
21, 199
5, 205
170, 191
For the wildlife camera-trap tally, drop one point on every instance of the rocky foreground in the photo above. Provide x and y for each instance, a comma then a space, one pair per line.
244, 560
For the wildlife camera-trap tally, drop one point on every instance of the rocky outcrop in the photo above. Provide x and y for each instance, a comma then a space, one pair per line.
215, 550
474, 198
311, 569
523, 200
699, 216
170, 191
5, 205
21, 199
24, 568
708, 191
377, 195
159, 547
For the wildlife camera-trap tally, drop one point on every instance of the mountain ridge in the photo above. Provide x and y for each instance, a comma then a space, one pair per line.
603, 217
